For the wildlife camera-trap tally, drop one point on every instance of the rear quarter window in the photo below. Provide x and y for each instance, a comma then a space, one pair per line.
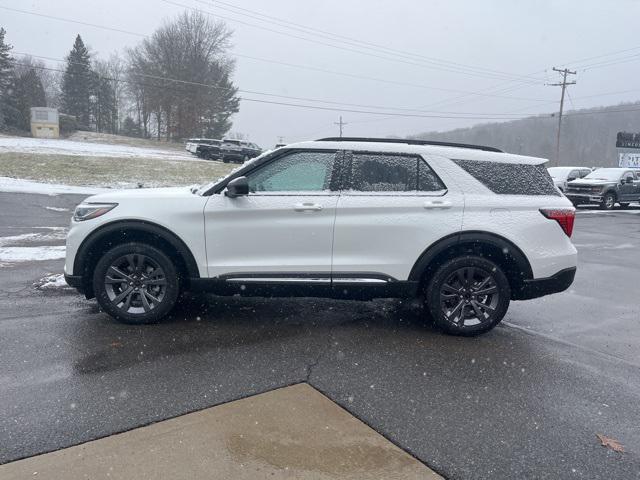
510, 178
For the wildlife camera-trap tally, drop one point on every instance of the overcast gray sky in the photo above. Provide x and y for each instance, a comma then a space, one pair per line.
516, 38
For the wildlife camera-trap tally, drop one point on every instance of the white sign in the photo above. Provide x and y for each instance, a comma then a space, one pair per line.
629, 159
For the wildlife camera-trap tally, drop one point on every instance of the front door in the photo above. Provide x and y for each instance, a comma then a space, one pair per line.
283, 226
629, 188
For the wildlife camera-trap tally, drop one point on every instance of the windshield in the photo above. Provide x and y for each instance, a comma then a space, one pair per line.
605, 174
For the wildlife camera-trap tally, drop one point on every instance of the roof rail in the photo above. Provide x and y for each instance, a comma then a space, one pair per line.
409, 142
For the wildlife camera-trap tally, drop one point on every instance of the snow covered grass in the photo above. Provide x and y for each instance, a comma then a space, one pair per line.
94, 148
112, 172
19, 185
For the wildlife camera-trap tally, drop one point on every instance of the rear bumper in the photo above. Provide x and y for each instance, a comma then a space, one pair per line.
545, 286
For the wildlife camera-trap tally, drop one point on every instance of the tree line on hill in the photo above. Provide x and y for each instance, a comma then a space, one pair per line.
588, 135
174, 84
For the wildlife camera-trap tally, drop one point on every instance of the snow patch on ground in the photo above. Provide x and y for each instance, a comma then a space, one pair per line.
19, 185
57, 209
91, 149
51, 282
55, 233
31, 254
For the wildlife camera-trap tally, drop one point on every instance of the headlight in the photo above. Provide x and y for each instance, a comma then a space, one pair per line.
87, 211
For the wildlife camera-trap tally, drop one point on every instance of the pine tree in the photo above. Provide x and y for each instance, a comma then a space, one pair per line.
77, 83
6, 75
27, 92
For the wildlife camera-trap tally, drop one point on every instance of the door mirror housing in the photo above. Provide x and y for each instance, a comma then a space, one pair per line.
237, 187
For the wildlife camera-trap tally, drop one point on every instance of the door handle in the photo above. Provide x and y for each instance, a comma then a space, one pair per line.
437, 204
307, 207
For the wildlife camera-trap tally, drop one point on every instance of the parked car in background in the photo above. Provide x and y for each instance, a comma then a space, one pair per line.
562, 175
231, 150
465, 229
197, 146
209, 149
606, 187
250, 150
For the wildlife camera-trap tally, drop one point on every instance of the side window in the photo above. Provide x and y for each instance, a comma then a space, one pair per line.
380, 172
296, 172
584, 173
384, 172
627, 175
574, 174
428, 181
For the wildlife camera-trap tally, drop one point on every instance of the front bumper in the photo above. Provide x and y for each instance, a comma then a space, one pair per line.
545, 286
583, 198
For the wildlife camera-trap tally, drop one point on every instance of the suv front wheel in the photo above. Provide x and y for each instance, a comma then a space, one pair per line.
468, 295
136, 283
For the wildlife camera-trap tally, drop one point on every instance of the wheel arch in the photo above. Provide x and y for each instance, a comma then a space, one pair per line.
485, 244
122, 231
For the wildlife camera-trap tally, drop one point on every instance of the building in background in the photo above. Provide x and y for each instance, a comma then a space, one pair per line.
45, 122
628, 147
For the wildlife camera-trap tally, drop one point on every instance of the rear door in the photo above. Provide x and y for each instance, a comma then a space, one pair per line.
393, 206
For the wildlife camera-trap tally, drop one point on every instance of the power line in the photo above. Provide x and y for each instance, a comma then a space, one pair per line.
349, 40
306, 67
254, 92
305, 106
391, 59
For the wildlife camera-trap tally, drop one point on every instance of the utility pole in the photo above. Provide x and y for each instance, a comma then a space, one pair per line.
563, 84
340, 124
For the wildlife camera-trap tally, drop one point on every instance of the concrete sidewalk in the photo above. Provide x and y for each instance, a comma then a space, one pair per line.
293, 432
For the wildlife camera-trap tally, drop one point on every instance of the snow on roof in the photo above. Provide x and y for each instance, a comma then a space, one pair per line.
448, 152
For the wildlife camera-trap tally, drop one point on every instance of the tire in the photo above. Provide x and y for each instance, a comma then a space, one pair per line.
608, 201
453, 289
624, 205
225, 160
146, 273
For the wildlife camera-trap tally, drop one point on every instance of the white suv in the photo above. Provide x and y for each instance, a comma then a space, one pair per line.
465, 228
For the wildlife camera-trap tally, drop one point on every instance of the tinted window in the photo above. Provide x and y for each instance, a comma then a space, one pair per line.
510, 178
296, 172
380, 172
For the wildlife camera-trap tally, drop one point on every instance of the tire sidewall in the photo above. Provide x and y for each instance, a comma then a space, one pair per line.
432, 294
171, 294
604, 201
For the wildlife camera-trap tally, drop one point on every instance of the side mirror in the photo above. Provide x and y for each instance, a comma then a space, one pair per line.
237, 187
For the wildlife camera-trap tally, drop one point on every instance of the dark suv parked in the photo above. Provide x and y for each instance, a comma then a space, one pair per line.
209, 149
606, 187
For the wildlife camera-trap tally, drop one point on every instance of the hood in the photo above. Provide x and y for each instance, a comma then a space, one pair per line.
118, 196
590, 181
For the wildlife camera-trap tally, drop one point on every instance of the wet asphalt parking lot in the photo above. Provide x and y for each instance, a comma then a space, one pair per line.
523, 401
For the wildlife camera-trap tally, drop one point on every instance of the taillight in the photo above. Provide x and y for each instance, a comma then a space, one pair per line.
564, 216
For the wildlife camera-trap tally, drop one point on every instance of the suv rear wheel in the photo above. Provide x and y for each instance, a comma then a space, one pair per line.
468, 296
136, 283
